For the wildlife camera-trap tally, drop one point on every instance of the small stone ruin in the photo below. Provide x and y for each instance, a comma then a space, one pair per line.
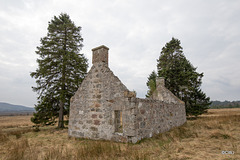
103, 107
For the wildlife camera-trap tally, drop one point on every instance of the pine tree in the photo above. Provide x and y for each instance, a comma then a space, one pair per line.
151, 83
181, 78
60, 71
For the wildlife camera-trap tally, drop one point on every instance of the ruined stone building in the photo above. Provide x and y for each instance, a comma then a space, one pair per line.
103, 107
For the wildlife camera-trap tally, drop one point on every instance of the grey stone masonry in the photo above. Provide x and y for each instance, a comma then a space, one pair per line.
163, 94
103, 107
100, 54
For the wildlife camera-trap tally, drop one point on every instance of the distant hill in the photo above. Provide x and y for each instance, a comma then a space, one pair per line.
6, 108
225, 104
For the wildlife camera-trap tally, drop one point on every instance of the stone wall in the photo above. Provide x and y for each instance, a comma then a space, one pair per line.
92, 107
154, 117
163, 94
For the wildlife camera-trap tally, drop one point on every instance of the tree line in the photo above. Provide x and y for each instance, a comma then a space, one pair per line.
225, 104
62, 68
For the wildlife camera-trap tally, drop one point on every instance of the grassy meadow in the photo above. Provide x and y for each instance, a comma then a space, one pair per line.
202, 139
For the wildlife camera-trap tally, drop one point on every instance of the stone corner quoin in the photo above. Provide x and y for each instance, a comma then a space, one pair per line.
103, 107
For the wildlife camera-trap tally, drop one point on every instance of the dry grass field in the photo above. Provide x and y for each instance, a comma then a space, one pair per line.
15, 121
202, 139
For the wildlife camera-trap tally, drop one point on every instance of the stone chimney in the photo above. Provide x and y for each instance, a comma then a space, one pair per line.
100, 54
160, 81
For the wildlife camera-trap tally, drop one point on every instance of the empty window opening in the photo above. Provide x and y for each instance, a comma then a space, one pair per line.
118, 121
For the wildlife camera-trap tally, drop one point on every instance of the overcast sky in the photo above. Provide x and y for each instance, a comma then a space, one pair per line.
135, 31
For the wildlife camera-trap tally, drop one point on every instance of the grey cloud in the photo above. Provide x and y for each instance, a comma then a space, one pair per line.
135, 31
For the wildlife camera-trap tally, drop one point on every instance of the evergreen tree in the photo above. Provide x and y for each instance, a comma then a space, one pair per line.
60, 71
181, 78
151, 83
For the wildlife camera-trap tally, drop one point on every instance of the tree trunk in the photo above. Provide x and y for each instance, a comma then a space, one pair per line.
60, 121
62, 97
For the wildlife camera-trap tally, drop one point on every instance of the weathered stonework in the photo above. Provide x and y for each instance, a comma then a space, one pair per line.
103, 108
